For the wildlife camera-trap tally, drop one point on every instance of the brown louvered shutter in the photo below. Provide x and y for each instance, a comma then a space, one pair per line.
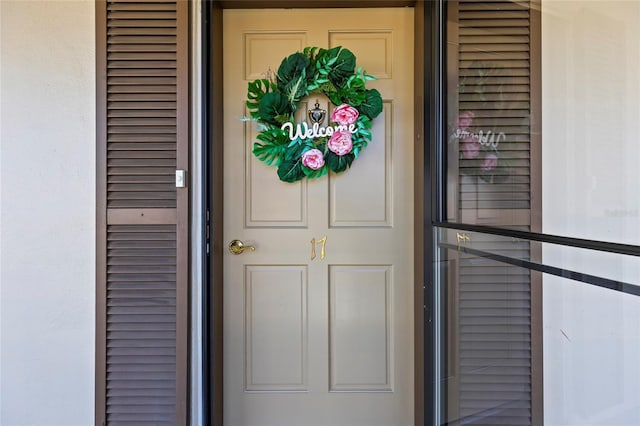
490, 77
142, 273
493, 60
494, 336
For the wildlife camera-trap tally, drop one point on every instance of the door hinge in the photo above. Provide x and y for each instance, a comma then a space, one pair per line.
207, 231
207, 227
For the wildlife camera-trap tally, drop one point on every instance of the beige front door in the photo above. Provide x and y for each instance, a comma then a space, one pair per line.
324, 341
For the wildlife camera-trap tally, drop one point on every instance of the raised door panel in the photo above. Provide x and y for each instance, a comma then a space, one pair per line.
374, 49
364, 197
360, 332
276, 328
268, 203
260, 47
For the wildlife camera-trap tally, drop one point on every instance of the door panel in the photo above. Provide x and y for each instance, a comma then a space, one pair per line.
365, 198
360, 334
260, 209
328, 340
276, 328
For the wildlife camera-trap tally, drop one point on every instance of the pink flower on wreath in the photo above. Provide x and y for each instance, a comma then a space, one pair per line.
465, 120
490, 162
344, 115
470, 147
340, 143
313, 159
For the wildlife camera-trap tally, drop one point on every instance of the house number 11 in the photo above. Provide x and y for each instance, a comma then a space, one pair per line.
321, 242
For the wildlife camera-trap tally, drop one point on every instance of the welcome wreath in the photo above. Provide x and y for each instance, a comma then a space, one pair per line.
303, 150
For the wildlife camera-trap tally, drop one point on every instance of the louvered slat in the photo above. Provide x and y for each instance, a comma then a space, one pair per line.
494, 340
494, 69
141, 63
495, 350
141, 324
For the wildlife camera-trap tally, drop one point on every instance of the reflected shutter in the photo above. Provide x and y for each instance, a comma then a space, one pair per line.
142, 236
492, 78
495, 338
492, 82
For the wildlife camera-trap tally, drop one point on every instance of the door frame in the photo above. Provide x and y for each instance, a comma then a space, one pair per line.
429, 125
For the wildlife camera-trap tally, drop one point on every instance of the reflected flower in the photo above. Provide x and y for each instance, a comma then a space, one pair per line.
470, 147
490, 162
465, 120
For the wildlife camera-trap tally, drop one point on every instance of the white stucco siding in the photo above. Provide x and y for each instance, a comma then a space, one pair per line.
47, 212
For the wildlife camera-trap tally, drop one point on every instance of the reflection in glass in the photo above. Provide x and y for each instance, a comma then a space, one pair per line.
529, 342
488, 368
543, 116
543, 121
490, 134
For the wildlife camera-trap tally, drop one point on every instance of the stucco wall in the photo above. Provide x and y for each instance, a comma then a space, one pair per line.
591, 189
47, 212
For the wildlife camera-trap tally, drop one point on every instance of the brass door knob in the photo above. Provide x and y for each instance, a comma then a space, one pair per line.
238, 247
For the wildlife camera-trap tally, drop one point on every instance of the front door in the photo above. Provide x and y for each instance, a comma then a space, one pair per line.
324, 339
